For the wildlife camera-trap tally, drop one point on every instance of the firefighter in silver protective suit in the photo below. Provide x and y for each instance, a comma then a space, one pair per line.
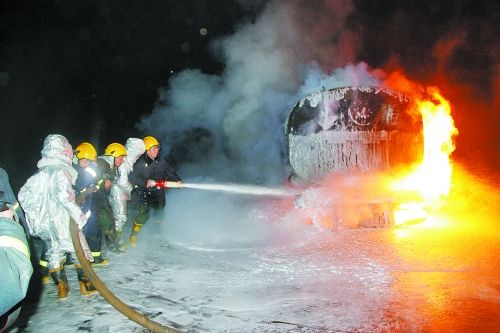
121, 159
106, 164
48, 200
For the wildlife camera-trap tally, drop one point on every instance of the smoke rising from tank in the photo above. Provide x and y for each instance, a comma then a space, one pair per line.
237, 118
229, 127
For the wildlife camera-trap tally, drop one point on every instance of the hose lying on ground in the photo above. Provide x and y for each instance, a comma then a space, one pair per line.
108, 295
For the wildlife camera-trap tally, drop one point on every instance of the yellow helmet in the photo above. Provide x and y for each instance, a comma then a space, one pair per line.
149, 142
115, 149
86, 150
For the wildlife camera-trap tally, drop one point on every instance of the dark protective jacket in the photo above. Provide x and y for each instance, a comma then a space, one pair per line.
89, 188
88, 178
107, 174
144, 169
11, 198
92, 178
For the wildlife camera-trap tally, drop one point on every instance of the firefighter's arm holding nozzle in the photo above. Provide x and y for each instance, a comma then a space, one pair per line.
164, 184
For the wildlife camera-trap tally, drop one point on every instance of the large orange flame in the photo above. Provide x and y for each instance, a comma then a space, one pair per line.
432, 178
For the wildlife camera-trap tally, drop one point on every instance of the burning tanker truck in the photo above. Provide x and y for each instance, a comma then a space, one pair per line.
350, 133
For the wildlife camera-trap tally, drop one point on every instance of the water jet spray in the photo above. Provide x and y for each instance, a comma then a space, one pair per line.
244, 189
230, 188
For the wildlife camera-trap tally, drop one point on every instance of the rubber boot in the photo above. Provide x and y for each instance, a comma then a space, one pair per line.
121, 246
133, 236
86, 287
61, 281
110, 238
118, 246
44, 272
45, 276
68, 261
99, 260
44, 264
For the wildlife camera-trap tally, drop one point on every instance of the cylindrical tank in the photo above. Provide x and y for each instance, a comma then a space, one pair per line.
362, 128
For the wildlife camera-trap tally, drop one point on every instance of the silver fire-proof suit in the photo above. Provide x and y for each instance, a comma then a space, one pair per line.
121, 187
48, 200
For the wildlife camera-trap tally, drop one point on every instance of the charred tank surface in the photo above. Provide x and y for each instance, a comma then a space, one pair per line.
364, 128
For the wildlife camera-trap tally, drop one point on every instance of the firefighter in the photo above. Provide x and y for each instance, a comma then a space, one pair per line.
48, 200
148, 177
113, 223
124, 158
19, 216
88, 186
10, 197
15, 264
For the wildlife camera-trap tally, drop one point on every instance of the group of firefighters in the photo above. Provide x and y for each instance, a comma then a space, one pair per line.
100, 193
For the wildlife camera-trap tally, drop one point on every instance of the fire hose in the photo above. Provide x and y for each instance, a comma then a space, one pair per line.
130, 313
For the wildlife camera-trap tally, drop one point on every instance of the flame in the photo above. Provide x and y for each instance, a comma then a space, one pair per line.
432, 178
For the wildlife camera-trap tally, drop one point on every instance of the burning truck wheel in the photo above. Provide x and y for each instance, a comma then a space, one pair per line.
351, 132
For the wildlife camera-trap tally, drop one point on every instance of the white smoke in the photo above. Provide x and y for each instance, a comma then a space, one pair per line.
245, 108
269, 65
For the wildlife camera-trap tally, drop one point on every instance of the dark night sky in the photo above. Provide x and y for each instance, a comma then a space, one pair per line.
90, 69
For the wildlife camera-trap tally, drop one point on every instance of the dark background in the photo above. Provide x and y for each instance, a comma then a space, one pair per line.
90, 69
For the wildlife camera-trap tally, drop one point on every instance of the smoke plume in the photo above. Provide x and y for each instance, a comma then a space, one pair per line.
231, 126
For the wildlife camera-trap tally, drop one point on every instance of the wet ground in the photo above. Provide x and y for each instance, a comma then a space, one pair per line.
441, 276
